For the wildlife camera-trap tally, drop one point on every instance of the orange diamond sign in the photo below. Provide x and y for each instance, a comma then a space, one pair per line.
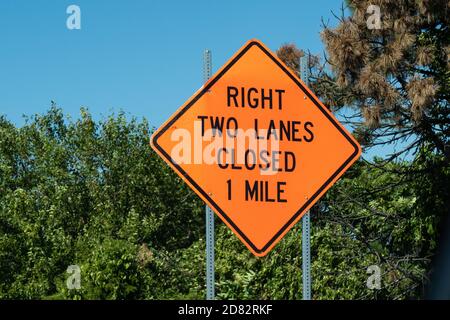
257, 146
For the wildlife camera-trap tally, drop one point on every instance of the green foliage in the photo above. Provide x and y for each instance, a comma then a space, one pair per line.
94, 194
88, 194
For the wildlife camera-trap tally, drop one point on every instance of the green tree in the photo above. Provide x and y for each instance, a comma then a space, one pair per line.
92, 194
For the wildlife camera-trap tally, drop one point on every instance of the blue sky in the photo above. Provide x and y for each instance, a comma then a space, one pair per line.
142, 57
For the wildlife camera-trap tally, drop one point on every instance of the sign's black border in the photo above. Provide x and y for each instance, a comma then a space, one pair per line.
216, 207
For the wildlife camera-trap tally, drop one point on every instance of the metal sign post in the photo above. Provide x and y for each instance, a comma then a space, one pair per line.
208, 212
306, 220
306, 239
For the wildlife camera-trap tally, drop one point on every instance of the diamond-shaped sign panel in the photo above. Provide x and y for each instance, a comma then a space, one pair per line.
257, 146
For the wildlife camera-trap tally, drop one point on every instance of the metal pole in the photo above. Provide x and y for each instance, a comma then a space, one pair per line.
207, 66
306, 220
306, 239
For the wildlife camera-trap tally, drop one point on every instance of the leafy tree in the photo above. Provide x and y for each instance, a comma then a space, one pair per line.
88, 194
95, 195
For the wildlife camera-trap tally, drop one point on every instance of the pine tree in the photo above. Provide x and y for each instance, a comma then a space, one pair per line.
395, 75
